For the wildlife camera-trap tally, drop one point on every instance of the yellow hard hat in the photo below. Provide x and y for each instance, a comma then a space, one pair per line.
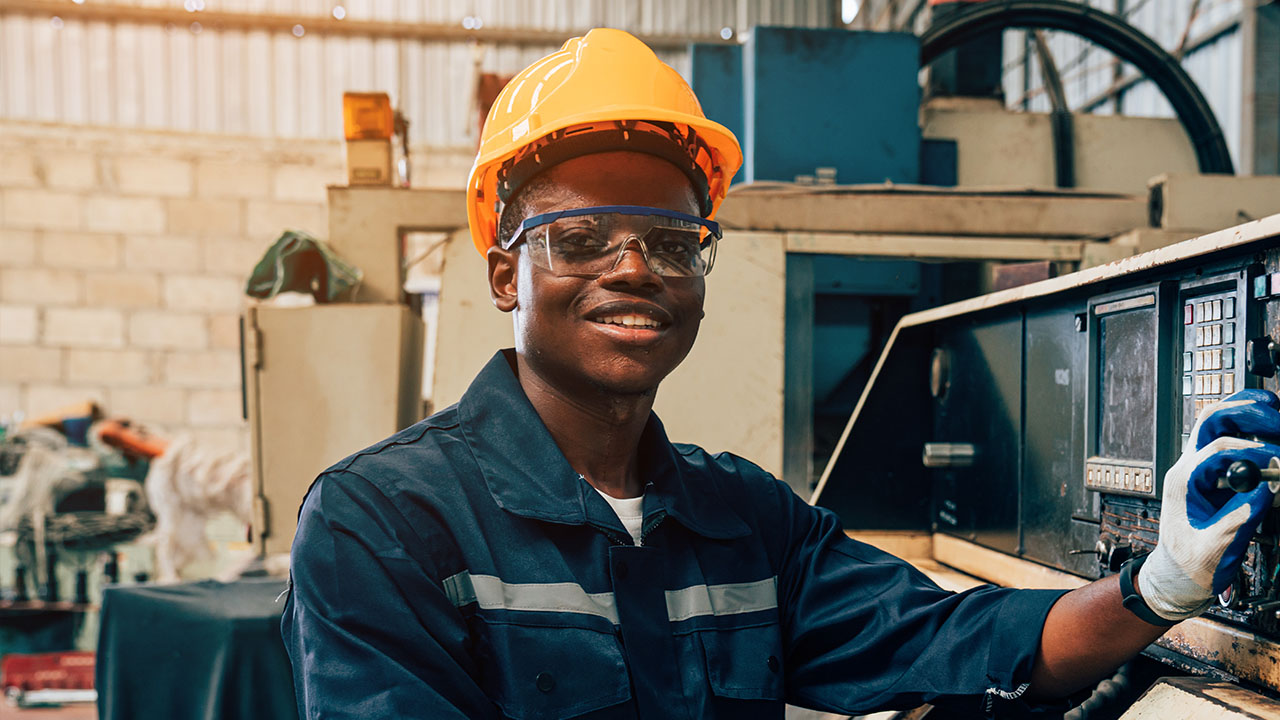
603, 91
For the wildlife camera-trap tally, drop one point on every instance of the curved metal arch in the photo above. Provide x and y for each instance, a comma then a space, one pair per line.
1110, 32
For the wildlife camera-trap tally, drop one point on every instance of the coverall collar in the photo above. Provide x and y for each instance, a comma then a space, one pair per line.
528, 475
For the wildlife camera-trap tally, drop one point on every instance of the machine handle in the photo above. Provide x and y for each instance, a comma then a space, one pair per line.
949, 455
1244, 475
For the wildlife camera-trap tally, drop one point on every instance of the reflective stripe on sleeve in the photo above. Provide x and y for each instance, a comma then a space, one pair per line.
491, 593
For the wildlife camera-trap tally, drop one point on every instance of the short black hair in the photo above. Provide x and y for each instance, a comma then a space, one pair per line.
514, 212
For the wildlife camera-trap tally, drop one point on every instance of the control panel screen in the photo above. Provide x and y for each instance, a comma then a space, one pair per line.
1127, 387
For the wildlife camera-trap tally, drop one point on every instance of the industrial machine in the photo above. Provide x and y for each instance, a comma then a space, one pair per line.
1021, 437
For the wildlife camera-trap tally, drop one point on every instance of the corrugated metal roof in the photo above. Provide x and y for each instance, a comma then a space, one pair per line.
270, 83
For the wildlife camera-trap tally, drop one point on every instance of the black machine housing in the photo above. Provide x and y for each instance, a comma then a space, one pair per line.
1076, 400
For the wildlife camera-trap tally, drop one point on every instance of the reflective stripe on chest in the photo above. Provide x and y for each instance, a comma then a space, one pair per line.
491, 593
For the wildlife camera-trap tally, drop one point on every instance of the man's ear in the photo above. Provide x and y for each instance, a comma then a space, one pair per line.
502, 278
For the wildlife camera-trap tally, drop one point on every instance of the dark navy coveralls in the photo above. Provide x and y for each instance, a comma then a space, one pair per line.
462, 569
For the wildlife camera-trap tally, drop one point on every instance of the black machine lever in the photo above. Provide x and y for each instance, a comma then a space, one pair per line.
1244, 475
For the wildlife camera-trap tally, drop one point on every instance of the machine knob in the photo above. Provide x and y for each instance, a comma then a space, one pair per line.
1242, 476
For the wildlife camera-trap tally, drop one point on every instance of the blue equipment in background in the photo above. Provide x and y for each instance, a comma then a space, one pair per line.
801, 99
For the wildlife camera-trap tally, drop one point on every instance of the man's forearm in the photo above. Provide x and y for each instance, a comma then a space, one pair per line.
1087, 634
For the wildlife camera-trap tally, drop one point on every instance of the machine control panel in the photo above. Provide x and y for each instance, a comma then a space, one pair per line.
1213, 345
1072, 401
1211, 320
1123, 426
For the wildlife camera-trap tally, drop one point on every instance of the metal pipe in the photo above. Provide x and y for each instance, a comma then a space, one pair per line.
321, 25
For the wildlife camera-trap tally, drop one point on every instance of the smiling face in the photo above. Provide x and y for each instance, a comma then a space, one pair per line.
620, 333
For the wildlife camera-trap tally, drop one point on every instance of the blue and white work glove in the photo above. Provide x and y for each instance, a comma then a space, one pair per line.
1204, 529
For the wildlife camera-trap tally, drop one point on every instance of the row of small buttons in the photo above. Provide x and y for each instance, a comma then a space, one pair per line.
1212, 384
1215, 359
1219, 334
1209, 311
1114, 477
1202, 403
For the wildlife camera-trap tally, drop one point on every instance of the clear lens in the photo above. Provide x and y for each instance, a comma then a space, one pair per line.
594, 244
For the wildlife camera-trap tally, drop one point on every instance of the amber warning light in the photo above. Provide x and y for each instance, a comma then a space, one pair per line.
367, 116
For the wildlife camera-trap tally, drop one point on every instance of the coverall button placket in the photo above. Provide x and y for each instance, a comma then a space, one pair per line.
639, 589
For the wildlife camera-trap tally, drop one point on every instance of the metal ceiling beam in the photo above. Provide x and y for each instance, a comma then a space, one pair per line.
319, 25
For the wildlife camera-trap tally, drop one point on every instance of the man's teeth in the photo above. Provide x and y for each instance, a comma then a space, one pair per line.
630, 321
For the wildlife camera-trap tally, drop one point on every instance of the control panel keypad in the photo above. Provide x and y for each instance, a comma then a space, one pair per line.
1209, 352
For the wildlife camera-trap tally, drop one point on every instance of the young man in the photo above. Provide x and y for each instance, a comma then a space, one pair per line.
542, 550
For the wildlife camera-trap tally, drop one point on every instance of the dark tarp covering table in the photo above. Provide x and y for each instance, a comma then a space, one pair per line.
204, 650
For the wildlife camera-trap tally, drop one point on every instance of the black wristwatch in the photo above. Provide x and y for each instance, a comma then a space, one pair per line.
1133, 601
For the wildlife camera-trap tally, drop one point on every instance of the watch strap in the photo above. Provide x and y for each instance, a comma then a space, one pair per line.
1133, 602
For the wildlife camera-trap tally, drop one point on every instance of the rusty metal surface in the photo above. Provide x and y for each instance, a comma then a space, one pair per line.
1190, 698
1242, 653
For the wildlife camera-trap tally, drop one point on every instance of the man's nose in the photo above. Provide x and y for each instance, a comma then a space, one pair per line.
632, 268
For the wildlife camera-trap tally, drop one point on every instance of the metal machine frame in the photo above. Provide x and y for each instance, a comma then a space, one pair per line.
898, 381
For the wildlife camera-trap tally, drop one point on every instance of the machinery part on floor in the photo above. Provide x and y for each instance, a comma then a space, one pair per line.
1110, 32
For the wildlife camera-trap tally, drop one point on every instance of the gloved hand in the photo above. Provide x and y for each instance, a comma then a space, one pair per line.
1204, 530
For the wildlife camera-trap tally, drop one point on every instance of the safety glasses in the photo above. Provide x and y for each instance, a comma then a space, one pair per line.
589, 242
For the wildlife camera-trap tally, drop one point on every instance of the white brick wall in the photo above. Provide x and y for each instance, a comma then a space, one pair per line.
40, 285
204, 217
10, 399
166, 177
80, 250
162, 252
70, 171
188, 331
123, 257
227, 178
17, 247
19, 325
207, 294
83, 327
111, 213
108, 367
28, 363
122, 289
41, 209
18, 170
